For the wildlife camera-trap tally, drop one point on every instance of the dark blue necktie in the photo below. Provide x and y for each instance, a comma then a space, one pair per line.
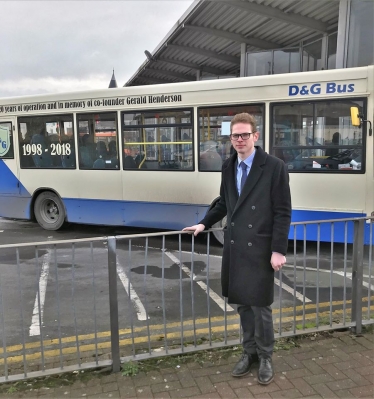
244, 175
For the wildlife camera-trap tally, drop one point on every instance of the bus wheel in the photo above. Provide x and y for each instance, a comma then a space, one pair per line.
49, 211
218, 235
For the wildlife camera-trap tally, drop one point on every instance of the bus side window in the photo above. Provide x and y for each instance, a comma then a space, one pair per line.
46, 142
158, 140
98, 134
317, 136
214, 133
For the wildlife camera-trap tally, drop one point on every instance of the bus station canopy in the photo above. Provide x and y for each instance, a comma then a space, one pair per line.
207, 42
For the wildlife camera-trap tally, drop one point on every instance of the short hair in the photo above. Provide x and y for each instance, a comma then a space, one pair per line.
244, 117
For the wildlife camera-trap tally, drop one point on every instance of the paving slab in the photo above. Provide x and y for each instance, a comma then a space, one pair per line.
334, 366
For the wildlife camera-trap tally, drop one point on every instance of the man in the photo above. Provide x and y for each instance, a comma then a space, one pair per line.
255, 196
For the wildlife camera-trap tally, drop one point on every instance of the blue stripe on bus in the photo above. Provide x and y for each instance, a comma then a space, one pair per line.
14, 198
15, 203
176, 216
136, 214
9, 183
338, 232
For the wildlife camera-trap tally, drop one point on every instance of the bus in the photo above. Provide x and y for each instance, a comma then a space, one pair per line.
150, 156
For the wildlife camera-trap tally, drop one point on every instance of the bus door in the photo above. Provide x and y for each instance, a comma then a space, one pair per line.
100, 185
9, 171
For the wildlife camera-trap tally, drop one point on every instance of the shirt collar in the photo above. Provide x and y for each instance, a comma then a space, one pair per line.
248, 161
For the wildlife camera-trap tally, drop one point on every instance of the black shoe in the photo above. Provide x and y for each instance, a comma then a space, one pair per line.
244, 364
265, 371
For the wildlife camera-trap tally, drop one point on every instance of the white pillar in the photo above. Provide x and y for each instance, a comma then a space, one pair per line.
343, 30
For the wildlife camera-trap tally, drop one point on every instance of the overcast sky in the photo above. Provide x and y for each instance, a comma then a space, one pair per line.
58, 46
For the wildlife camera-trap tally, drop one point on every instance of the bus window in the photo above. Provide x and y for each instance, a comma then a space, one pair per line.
46, 141
317, 136
158, 140
98, 141
6, 140
214, 133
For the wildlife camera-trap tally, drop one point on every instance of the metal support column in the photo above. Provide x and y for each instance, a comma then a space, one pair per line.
113, 304
357, 273
324, 52
243, 55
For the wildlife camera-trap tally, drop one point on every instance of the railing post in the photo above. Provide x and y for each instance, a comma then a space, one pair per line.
113, 304
357, 274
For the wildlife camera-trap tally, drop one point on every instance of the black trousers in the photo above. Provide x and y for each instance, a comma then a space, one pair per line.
258, 332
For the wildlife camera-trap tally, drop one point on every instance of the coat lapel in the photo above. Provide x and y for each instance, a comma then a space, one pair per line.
253, 176
229, 178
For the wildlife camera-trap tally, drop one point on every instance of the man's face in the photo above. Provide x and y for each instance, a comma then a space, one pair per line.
244, 148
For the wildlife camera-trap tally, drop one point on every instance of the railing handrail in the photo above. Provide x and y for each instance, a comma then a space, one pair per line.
164, 233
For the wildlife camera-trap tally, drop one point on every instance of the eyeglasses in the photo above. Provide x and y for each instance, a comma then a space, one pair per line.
244, 136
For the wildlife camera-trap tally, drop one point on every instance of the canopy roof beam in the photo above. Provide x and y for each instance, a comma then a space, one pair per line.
251, 41
206, 53
177, 75
276, 13
152, 80
196, 67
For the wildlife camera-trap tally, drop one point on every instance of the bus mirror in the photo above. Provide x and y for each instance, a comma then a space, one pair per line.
355, 117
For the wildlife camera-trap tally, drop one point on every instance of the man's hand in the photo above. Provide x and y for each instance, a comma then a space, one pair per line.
277, 261
197, 228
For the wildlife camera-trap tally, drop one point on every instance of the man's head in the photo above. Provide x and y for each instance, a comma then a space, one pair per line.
240, 126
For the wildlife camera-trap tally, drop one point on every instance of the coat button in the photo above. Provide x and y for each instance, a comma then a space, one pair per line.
249, 226
232, 241
249, 244
253, 207
232, 224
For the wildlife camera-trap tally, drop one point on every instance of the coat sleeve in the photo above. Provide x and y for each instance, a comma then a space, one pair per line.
281, 206
218, 212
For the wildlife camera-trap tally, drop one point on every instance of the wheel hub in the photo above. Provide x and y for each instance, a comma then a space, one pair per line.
50, 211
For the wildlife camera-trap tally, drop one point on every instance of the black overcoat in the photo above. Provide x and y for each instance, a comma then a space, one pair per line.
258, 223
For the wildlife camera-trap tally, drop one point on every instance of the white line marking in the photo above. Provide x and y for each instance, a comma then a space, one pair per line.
341, 273
216, 298
291, 291
364, 283
35, 325
140, 310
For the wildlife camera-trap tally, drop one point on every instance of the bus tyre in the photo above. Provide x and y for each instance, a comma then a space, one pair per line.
218, 235
49, 211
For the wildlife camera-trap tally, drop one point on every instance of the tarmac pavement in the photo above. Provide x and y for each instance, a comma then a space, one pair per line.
329, 365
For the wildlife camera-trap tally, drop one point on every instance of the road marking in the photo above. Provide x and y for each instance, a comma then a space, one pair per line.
289, 289
35, 322
215, 319
54, 353
140, 310
215, 297
364, 283
286, 287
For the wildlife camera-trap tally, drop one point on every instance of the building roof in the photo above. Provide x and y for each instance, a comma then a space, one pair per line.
208, 36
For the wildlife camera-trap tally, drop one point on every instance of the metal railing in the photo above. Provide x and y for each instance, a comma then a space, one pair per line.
76, 304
